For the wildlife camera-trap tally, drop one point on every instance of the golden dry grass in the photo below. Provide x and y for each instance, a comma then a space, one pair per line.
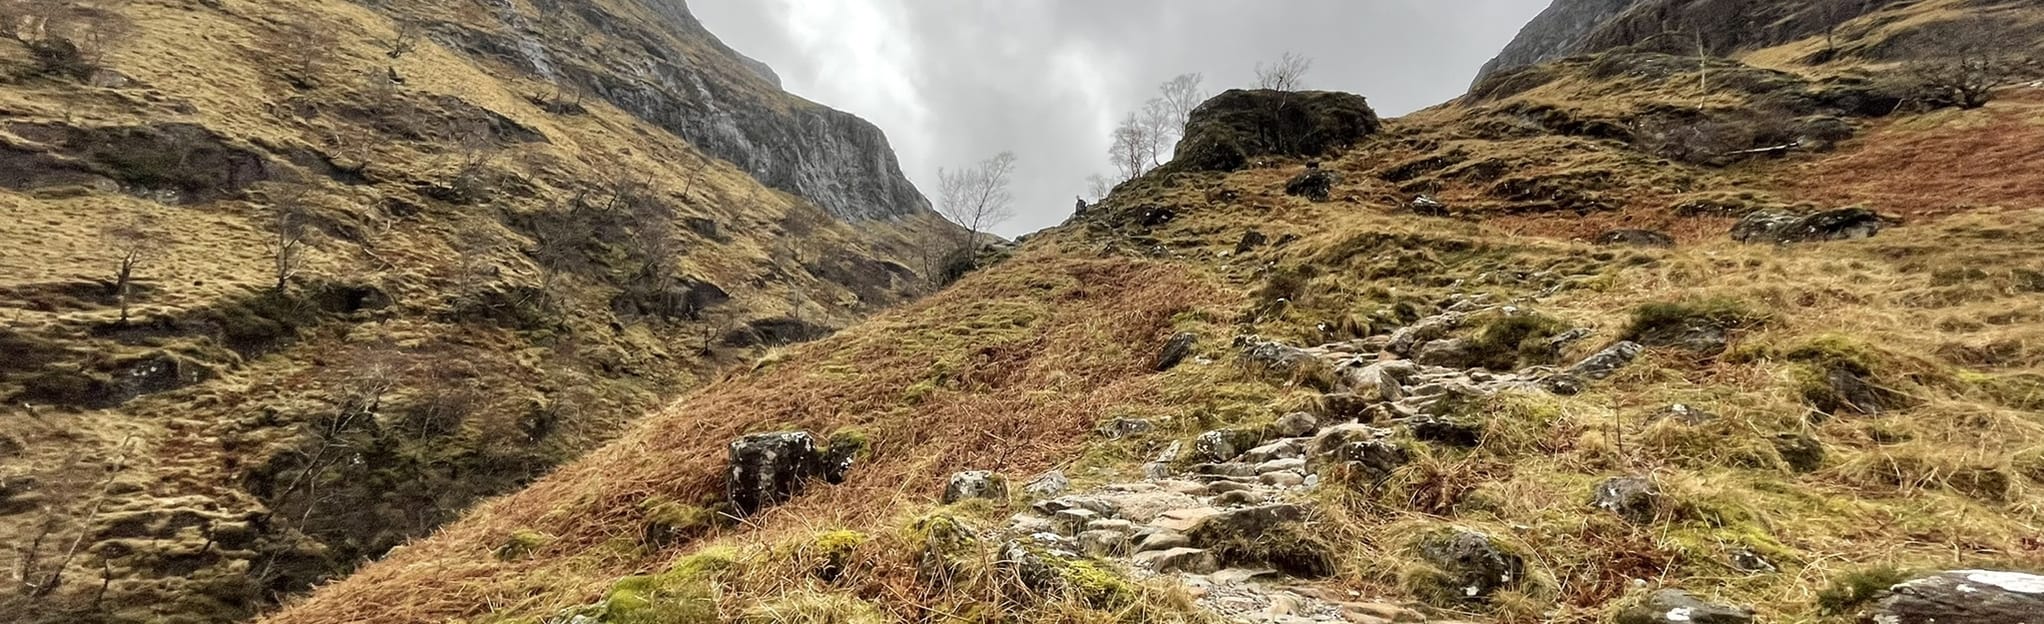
1025, 361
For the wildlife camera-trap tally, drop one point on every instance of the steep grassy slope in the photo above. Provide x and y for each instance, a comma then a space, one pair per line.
494, 266
1855, 410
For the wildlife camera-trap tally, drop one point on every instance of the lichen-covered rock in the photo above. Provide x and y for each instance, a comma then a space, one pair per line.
1407, 340
1126, 427
1597, 367
1674, 606
1367, 451
1634, 498
1270, 535
769, 468
1295, 424
1782, 228
1636, 238
1963, 597
1608, 362
1283, 359
1224, 133
1225, 444
1176, 350
1052, 483
1475, 565
1315, 183
976, 484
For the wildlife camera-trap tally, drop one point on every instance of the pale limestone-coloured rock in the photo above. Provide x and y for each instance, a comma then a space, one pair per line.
1187, 560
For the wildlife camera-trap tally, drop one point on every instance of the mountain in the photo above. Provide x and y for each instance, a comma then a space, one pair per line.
289, 284
1632, 334
1857, 30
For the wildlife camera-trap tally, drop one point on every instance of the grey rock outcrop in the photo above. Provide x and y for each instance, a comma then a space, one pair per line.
1176, 350
1964, 597
1474, 563
1636, 238
767, 469
1225, 132
977, 484
837, 161
1783, 228
1674, 606
1555, 33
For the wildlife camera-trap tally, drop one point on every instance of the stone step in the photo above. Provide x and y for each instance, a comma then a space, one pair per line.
1185, 560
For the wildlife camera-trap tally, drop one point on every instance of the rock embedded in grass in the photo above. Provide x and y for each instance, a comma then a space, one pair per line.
1636, 238
1800, 452
1636, 499
1176, 350
976, 484
1963, 597
1472, 564
1674, 606
767, 469
1783, 228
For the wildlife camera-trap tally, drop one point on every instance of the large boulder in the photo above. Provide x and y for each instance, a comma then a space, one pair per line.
1368, 452
1782, 228
1227, 131
1176, 350
1674, 606
1473, 565
1964, 597
769, 468
1270, 535
1315, 184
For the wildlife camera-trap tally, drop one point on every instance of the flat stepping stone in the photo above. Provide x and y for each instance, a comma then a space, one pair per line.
1185, 560
1163, 541
1238, 576
1182, 520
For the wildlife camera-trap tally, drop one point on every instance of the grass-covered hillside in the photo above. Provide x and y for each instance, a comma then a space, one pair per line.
286, 284
1841, 400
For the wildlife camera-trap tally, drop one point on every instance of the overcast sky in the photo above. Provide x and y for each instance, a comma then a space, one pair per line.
955, 81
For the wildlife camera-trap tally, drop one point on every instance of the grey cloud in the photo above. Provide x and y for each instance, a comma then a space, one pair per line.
955, 81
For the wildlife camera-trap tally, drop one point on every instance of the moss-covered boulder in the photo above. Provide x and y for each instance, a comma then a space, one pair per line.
1227, 131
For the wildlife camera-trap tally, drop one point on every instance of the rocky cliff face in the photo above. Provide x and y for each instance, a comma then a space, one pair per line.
1836, 30
836, 160
1555, 33
514, 227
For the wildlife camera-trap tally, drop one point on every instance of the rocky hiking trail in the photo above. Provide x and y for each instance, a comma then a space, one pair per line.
1230, 518
1234, 517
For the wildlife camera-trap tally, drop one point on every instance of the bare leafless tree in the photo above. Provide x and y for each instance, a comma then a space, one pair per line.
286, 231
1287, 74
1834, 15
1181, 95
1160, 130
1131, 149
97, 29
477, 147
404, 38
978, 198
1967, 66
309, 44
133, 242
1098, 187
